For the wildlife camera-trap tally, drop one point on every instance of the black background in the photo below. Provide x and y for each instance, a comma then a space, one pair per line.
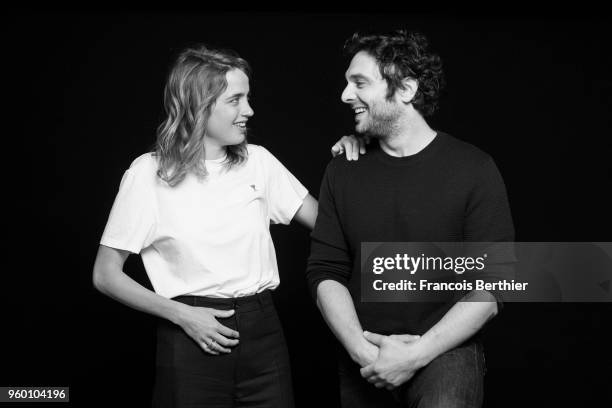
83, 97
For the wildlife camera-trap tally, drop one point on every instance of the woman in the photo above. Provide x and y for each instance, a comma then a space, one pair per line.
198, 211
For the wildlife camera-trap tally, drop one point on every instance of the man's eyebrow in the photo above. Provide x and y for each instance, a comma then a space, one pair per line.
358, 77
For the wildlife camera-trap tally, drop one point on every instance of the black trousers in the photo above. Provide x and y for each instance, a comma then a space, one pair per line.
452, 380
255, 374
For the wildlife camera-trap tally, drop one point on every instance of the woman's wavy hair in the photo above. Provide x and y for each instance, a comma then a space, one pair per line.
194, 83
401, 55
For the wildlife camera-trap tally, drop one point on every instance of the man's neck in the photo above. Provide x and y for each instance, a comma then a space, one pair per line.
410, 137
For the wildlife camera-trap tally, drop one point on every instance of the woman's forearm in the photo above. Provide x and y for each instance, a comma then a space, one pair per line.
109, 278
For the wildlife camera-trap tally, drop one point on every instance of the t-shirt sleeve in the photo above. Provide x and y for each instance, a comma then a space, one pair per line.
284, 192
131, 222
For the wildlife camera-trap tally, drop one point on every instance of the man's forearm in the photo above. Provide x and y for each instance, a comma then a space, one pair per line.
338, 310
462, 321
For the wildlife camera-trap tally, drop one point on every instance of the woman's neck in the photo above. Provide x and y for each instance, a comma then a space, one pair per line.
215, 152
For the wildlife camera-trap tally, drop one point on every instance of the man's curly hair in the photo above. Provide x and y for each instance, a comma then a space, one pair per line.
403, 54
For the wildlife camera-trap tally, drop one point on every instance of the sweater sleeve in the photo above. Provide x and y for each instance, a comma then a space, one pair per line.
329, 254
488, 220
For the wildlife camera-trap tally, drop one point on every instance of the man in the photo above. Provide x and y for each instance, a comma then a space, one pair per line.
418, 184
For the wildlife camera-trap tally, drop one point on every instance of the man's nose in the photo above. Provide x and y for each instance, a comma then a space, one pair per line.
348, 94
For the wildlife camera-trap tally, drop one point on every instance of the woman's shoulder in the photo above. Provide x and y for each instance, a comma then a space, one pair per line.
256, 150
144, 166
260, 153
144, 162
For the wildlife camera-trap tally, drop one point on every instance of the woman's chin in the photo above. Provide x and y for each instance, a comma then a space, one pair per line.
239, 139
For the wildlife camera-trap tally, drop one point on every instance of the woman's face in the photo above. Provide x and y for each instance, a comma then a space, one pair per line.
229, 116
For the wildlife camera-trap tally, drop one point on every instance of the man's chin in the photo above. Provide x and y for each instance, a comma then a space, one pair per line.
366, 131
360, 129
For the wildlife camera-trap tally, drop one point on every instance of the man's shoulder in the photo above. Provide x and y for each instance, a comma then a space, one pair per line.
340, 166
463, 153
340, 162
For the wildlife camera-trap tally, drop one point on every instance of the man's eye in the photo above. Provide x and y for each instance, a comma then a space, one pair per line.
359, 84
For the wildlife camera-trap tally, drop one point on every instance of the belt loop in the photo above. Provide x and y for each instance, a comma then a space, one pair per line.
260, 300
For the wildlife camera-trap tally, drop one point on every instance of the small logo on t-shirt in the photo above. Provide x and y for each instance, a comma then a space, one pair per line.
253, 187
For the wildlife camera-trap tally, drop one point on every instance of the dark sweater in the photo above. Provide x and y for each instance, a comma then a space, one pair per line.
449, 191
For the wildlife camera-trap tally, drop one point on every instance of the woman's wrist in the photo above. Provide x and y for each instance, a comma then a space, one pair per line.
177, 312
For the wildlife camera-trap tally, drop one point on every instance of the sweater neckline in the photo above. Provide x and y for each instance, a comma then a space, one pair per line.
419, 156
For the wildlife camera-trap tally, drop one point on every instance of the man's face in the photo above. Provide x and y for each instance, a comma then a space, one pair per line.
228, 118
366, 92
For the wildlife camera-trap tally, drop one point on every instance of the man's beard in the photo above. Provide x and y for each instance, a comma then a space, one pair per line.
381, 122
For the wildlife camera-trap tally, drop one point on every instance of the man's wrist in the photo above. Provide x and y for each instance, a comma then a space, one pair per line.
355, 351
358, 351
424, 353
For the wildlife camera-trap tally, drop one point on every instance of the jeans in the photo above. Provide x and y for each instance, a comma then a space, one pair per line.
255, 374
452, 380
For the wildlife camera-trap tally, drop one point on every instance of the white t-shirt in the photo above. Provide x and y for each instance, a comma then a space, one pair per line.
206, 237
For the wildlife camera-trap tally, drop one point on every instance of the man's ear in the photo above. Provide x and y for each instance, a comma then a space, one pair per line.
410, 87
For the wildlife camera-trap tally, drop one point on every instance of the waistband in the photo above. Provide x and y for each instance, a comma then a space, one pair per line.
239, 304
